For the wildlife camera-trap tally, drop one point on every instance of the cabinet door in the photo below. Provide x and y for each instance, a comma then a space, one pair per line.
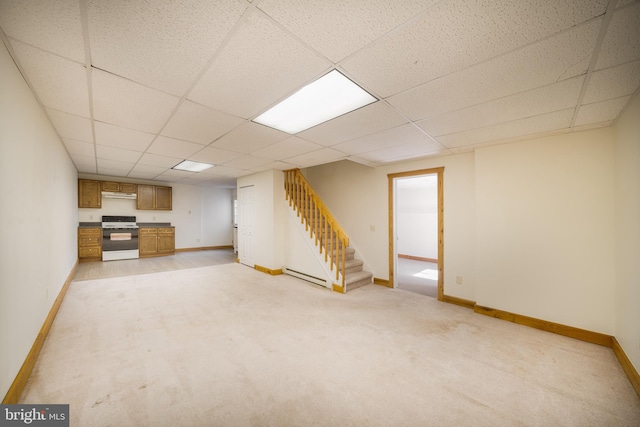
163, 198
89, 194
166, 240
147, 241
146, 197
127, 188
110, 186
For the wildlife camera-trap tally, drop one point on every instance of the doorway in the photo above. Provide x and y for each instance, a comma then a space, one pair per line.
416, 231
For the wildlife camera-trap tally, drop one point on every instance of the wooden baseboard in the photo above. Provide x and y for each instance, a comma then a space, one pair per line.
338, 288
417, 258
15, 391
204, 248
557, 328
382, 282
459, 301
626, 364
268, 270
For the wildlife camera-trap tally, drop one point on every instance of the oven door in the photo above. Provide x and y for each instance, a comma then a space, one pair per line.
119, 243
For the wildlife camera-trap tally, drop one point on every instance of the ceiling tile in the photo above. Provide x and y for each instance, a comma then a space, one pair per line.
146, 169
249, 137
173, 147
70, 126
546, 99
119, 154
260, 65
124, 103
557, 120
79, 147
274, 165
142, 175
409, 150
160, 161
465, 33
337, 28
613, 83
214, 156
86, 164
363, 121
225, 171
60, 84
600, 112
113, 165
396, 137
116, 136
196, 123
554, 59
162, 44
51, 25
247, 162
622, 42
290, 147
325, 155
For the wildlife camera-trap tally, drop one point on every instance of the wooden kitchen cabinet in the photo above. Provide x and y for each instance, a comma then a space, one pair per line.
153, 197
90, 244
166, 240
89, 193
119, 187
156, 241
147, 241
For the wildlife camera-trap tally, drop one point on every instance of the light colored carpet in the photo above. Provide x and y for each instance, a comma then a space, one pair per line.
417, 276
228, 346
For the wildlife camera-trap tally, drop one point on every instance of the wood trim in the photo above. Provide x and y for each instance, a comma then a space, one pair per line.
382, 282
204, 248
626, 364
459, 301
418, 258
545, 325
268, 270
17, 387
338, 288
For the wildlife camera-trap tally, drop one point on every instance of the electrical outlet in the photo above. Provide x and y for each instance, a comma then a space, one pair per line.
458, 280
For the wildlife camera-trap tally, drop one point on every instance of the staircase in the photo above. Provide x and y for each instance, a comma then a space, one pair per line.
326, 233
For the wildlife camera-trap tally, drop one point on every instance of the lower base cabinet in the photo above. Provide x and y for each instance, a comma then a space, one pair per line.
156, 241
89, 244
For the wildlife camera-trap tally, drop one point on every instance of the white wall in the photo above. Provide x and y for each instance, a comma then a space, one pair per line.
358, 196
269, 217
528, 225
545, 215
38, 219
202, 215
417, 219
627, 222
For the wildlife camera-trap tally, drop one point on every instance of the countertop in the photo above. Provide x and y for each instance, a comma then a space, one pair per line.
139, 224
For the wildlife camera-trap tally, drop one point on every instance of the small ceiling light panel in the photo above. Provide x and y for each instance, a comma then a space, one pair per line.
330, 96
188, 165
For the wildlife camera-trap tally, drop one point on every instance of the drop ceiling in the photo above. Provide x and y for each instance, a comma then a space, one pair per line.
134, 87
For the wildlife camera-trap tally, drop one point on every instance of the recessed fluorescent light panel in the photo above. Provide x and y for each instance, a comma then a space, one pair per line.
326, 98
188, 165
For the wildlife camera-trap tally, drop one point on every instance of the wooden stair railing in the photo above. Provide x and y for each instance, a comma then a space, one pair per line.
318, 221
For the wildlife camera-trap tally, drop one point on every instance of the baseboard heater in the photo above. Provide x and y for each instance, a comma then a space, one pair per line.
307, 277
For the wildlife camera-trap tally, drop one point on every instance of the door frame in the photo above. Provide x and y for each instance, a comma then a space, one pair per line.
392, 233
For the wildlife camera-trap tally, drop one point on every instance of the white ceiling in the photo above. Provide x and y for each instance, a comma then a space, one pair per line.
134, 87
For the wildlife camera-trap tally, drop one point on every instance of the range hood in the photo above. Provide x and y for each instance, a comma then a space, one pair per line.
114, 195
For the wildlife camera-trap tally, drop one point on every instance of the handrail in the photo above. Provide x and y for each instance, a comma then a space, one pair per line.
318, 220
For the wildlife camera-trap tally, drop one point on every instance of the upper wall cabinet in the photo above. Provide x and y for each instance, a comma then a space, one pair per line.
152, 197
119, 187
89, 193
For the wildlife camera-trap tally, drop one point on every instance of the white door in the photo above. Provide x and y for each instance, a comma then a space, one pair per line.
246, 224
